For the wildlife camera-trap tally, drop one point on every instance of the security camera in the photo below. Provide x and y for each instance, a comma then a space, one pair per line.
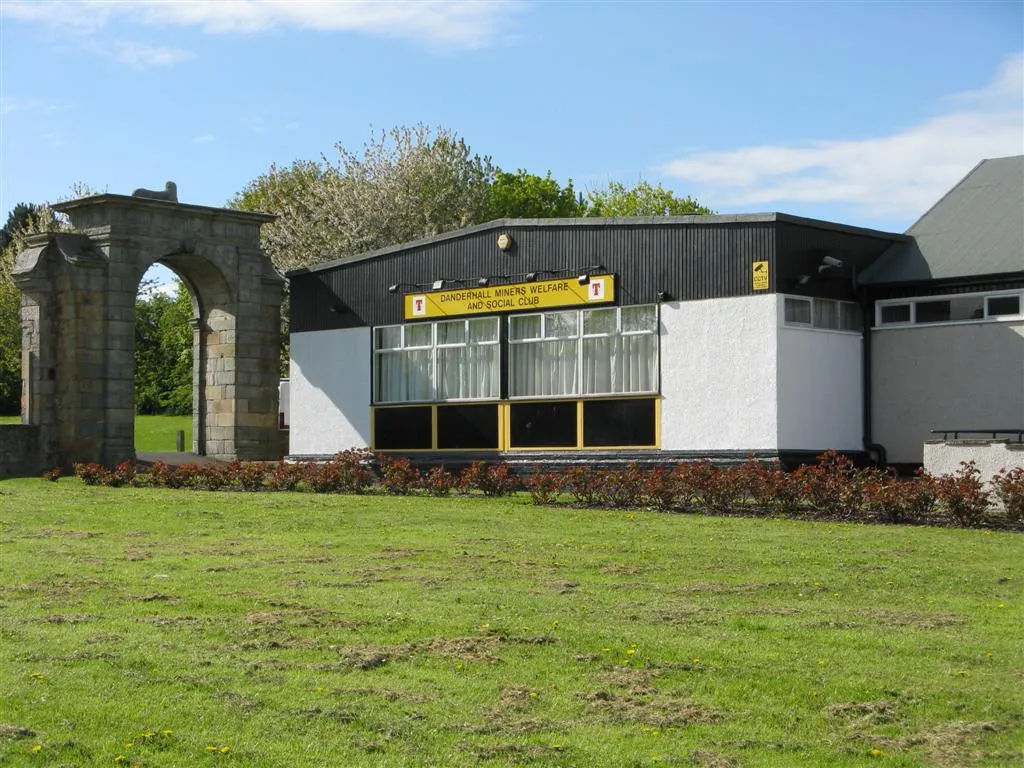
831, 261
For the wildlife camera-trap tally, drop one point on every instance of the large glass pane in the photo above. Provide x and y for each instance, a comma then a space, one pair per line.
467, 426
798, 311
403, 376
932, 311
561, 325
541, 369
402, 428
639, 319
418, 335
850, 317
1003, 305
389, 337
483, 330
826, 314
599, 321
468, 373
895, 313
543, 425
524, 327
967, 308
451, 332
619, 423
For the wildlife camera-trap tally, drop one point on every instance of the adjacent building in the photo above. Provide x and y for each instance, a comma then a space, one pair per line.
660, 339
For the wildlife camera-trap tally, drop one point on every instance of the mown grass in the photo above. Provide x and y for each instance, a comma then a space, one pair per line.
152, 433
318, 630
159, 433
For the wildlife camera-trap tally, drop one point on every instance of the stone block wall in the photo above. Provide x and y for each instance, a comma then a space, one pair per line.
19, 450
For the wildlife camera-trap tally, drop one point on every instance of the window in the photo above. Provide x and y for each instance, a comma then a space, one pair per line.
617, 423
961, 308
798, 311
544, 354
403, 363
402, 428
823, 314
998, 306
895, 313
612, 350
448, 360
620, 350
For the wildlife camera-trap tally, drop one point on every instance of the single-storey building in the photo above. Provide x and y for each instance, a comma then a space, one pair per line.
667, 338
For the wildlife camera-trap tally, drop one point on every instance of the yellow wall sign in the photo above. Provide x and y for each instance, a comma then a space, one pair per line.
514, 297
760, 275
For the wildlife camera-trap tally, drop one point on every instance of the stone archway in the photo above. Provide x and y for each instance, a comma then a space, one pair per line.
78, 327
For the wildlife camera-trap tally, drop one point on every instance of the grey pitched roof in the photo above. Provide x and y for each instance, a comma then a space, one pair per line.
977, 228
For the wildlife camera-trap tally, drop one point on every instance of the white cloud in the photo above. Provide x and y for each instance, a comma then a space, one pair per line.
206, 138
895, 176
143, 56
464, 23
10, 104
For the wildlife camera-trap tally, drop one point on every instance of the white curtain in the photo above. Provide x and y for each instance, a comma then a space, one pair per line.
620, 364
543, 368
404, 375
468, 372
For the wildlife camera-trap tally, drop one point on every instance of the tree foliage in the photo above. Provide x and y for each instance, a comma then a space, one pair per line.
410, 183
406, 184
523, 195
643, 199
163, 352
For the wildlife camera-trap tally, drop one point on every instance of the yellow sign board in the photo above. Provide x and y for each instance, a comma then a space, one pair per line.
760, 276
514, 297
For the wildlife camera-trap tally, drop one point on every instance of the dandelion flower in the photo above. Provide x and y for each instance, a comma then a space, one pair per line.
37, 748
876, 753
224, 750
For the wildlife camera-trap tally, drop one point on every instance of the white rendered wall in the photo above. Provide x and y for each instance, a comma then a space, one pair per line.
820, 389
718, 374
329, 378
963, 376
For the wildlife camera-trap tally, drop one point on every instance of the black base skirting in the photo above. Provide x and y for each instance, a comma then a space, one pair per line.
553, 461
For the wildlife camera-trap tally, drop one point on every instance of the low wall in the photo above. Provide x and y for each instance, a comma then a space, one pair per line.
19, 450
942, 457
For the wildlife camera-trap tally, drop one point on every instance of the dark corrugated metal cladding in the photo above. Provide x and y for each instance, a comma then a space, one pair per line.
802, 248
687, 261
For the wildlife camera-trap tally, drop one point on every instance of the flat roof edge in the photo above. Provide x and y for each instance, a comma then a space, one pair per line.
605, 221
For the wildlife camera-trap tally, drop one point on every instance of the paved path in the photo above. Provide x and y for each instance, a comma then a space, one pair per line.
174, 459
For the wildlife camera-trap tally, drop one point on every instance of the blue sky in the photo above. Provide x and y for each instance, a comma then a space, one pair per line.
863, 113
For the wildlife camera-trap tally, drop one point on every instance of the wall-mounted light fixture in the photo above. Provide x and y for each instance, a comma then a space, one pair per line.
483, 282
664, 296
394, 287
803, 279
583, 279
338, 308
531, 277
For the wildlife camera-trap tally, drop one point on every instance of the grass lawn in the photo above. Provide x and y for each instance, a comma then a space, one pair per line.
152, 433
171, 628
159, 433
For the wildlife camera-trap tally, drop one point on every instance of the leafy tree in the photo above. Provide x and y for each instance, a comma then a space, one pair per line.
406, 184
523, 195
644, 199
163, 352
